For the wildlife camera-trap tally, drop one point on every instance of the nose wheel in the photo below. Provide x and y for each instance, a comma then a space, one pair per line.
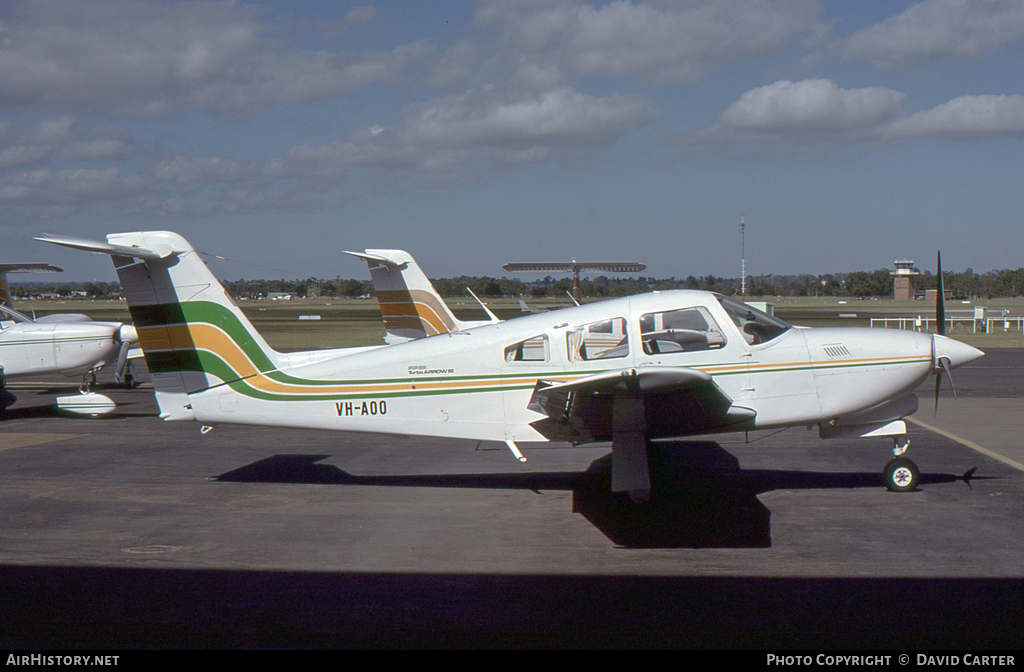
901, 475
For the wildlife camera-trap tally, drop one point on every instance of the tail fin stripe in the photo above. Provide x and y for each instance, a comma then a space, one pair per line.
219, 317
156, 315
173, 325
421, 303
171, 361
393, 322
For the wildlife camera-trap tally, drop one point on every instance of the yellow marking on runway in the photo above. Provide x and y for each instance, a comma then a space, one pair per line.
25, 439
970, 444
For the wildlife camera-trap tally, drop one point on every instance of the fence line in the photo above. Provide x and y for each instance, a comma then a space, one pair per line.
922, 323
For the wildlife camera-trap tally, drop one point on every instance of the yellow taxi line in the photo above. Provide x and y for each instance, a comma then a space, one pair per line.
970, 444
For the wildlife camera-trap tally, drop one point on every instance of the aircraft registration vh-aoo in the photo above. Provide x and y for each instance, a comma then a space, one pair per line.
627, 370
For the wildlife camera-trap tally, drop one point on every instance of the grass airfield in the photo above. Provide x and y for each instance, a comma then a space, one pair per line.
343, 323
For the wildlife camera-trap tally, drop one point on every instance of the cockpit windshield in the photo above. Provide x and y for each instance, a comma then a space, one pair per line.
757, 327
10, 314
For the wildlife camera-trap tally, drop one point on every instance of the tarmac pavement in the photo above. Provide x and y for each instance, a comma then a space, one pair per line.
128, 532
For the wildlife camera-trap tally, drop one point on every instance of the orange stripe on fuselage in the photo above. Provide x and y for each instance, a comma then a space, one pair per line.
212, 339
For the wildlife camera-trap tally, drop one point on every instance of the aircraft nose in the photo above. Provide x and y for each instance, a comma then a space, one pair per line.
955, 352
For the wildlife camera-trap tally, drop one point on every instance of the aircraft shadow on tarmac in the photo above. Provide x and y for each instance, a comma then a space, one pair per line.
700, 498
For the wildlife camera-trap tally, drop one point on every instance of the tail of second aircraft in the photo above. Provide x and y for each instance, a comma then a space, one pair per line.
5, 290
411, 306
192, 334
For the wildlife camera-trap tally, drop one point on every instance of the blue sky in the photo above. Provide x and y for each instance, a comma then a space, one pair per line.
472, 134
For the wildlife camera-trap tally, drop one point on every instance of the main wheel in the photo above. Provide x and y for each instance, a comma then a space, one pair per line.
901, 475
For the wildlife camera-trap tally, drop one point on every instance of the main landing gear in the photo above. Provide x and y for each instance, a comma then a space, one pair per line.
901, 474
6, 398
86, 402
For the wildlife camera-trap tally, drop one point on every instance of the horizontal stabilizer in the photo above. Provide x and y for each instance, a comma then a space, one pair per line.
159, 251
380, 257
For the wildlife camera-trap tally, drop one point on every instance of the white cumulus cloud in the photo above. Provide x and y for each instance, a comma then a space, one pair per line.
673, 42
797, 116
966, 117
446, 133
812, 107
149, 58
939, 29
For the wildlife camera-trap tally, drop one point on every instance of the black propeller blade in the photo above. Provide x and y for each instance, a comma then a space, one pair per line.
944, 363
940, 328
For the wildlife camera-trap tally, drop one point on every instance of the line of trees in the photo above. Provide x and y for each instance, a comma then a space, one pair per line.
91, 290
966, 284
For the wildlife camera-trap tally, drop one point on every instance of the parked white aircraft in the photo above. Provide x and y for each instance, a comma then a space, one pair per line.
68, 343
411, 306
664, 364
75, 346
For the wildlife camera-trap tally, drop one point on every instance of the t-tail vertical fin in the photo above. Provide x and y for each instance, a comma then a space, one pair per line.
192, 334
411, 306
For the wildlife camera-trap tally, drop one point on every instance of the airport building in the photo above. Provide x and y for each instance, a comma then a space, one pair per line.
903, 280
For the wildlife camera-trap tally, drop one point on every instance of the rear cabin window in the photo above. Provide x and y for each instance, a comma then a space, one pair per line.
682, 330
598, 340
531, 350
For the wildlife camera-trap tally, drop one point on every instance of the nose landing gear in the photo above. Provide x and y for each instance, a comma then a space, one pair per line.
901, 474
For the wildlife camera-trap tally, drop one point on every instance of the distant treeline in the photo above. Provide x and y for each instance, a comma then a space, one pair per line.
858, 284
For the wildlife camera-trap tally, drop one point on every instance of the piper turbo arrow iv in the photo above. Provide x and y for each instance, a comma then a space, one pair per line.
628, 370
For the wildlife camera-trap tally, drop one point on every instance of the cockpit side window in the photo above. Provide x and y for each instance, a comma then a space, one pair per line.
682, 330
599, 340
531, 350
756, 327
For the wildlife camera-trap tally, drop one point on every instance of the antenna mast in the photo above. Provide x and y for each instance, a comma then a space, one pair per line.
743, 256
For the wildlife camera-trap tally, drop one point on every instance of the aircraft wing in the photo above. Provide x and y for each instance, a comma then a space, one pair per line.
31, 267
664, 401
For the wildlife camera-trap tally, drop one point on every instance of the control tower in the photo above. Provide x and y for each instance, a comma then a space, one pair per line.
903, 280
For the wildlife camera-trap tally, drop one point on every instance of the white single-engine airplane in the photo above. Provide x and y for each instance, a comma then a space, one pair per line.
628, 370
72, 345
